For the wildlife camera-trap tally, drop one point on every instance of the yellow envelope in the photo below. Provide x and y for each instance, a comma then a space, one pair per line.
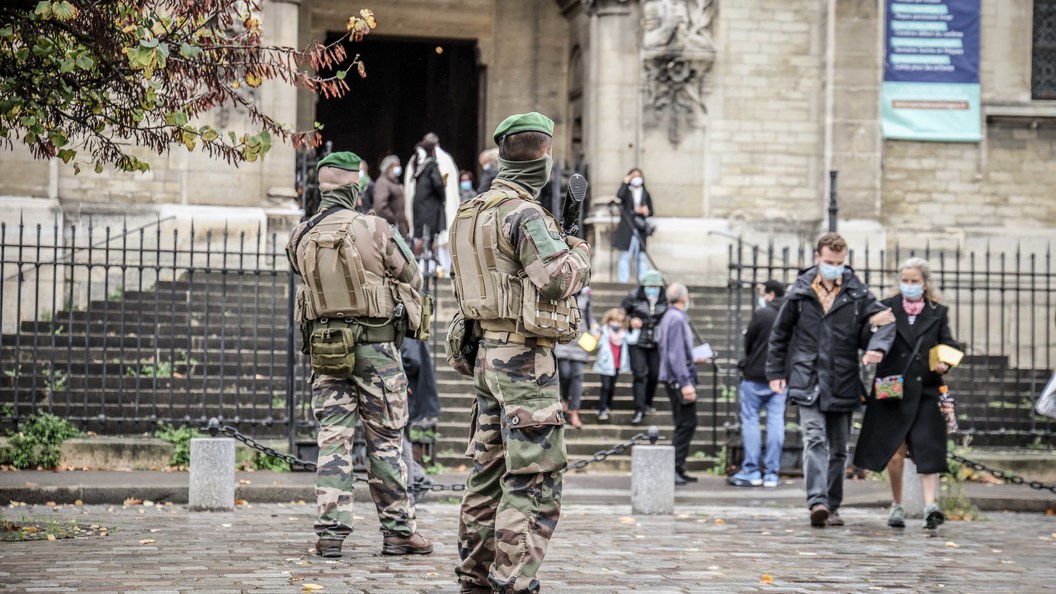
944, 354
588, 342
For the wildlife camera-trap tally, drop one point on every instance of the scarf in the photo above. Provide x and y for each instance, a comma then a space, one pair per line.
913, 308
530, 175
344, 196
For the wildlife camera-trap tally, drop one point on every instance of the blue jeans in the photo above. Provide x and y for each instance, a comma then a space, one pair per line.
634, 252
755, 396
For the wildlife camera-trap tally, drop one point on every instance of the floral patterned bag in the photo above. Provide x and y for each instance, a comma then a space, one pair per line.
893, 387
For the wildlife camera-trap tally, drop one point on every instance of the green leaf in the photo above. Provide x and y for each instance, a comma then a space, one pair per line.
85, 62
149, 43
234, 139
190, 51
99, 167
58, 139
64, 11
76, 168
43, 9
341, 74
7, 32
265, 140
209, 134
67, 154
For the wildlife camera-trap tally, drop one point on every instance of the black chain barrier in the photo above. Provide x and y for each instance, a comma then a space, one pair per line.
1004, 475
214, 428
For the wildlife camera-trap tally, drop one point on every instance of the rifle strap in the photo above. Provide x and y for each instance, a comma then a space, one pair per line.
313, 222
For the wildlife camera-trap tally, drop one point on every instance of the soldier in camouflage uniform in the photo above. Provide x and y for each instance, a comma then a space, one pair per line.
512, 501
375, 391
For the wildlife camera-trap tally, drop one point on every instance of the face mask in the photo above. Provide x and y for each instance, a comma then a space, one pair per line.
762, 302
465, 185
530, 175
615, 328
653, 293
396, 171
912, 292
637, 181
830, 272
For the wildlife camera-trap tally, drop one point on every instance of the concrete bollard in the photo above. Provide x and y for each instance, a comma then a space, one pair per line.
212, 482
653, 479
912, 494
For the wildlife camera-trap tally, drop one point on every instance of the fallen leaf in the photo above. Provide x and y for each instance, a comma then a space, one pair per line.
244, 482
168, 503
628, 520
306, 563
432, 574
226, 525
153, 530
952, 545
240, 502
30, 529
51, 537
133, 501
766, 578
50, 504
148, 503
720, 521
311, 587
78, 503
147, 541
1050, 512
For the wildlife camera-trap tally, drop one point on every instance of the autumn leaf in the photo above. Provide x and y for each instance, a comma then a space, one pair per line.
147, 541
766, 578
311, 587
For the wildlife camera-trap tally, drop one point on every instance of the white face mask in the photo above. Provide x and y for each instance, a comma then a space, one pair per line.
637, 181
396, 171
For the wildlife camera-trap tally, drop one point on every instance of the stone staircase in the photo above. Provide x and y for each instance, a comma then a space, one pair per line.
215, 344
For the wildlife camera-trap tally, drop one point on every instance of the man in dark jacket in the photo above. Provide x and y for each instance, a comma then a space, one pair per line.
645, 306
757, 395
814, 355
423, 402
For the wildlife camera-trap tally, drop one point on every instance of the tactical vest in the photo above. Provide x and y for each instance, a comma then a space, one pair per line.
343, 274
491, 285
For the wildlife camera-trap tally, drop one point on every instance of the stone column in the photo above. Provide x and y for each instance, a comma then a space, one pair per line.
281, 18
212, 477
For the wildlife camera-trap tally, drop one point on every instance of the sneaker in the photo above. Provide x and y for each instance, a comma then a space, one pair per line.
637, 418
819, 515
897, 519
399, 544
651, 409
745, 479
770, 480
603, 415
933, 517
329, 548
834, 519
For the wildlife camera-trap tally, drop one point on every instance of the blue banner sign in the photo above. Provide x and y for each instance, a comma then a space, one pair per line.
931, 71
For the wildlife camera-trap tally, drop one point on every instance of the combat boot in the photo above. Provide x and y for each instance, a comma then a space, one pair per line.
398, 544
328, 548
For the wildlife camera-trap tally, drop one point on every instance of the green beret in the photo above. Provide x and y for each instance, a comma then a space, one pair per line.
652, 278
524, 122
343, 160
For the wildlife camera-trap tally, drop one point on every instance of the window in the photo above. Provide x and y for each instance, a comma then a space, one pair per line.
1043, 75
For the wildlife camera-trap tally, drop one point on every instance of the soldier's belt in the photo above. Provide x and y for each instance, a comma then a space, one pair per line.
368, 330
514, 338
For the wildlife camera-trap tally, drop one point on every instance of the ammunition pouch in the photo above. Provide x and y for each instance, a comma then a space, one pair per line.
332, 349
463, 340
559, 319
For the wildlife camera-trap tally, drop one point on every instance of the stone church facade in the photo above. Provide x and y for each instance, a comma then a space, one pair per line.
735, 110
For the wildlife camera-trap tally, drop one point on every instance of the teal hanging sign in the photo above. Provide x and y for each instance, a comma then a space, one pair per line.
931, 71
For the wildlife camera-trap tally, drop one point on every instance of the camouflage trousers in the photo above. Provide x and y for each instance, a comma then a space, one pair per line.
377, 393
513, 494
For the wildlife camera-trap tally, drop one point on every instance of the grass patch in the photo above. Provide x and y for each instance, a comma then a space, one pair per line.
181, 438
27, 528
37, 442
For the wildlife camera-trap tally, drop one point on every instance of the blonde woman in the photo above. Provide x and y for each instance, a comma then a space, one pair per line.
912, 425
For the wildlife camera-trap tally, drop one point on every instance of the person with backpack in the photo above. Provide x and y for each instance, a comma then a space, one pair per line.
359, 297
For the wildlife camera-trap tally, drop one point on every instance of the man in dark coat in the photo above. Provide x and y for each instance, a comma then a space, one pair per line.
429, 217
636, 206
814, 355
756, 395
645, 306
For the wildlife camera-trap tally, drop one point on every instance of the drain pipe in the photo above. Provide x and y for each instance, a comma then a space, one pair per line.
830, 90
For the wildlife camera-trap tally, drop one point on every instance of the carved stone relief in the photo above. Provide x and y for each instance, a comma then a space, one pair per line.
677, 53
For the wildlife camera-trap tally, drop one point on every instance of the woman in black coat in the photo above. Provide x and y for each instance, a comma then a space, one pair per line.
645, 306
429, 193
913, 425
636, 204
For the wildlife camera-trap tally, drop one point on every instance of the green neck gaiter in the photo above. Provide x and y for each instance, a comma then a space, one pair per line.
344, 196
530, 175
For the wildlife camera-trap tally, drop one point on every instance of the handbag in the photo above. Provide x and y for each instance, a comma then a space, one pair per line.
893, 387
1046, 404
644, 227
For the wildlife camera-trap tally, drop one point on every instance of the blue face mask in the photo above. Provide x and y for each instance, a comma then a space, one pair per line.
466, 185
762, 302
652, 293
912, 292
830, 272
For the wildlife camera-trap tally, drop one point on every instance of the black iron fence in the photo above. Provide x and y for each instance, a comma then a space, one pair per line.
121, 327
1002, 313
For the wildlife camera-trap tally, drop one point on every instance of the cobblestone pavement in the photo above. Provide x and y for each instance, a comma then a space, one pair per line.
264, 548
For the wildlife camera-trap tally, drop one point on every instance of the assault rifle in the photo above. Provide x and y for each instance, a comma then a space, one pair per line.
573, 206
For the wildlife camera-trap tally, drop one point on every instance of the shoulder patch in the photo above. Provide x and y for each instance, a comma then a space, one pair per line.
547, 243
